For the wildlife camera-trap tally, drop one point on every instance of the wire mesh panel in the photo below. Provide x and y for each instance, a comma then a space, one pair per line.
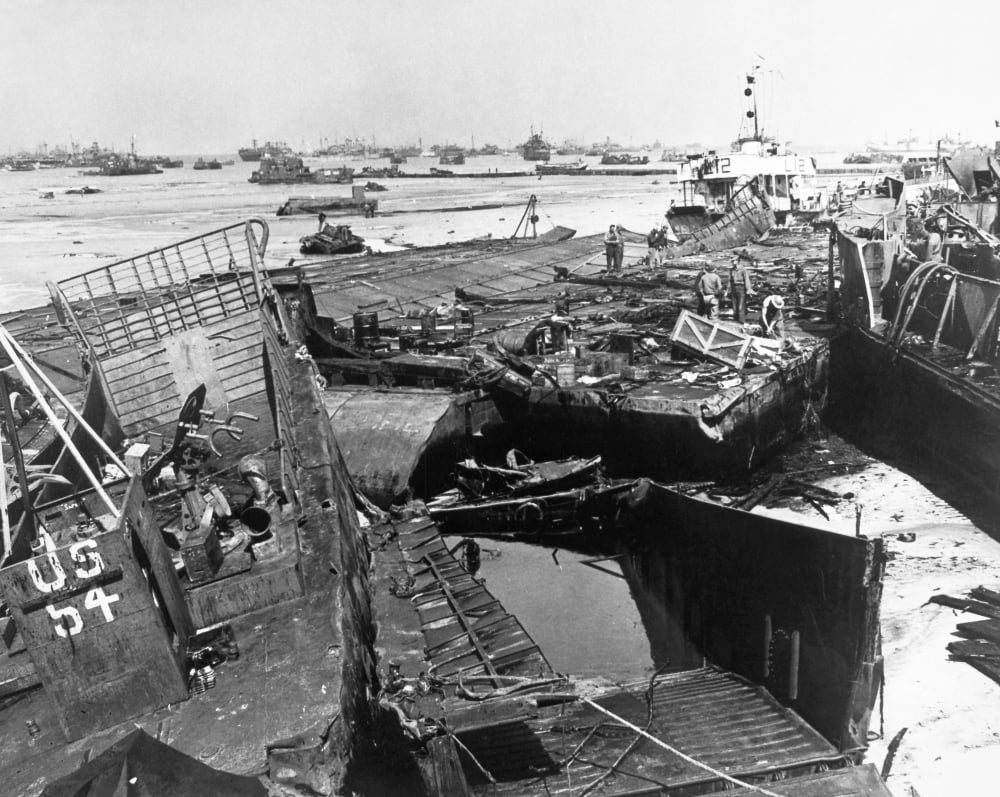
138, 301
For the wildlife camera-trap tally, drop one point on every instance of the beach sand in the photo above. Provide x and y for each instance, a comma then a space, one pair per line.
950, 711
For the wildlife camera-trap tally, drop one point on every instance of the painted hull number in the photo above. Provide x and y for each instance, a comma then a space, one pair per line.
87, 564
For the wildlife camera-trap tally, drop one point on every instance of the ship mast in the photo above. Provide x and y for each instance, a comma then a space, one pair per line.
752, 113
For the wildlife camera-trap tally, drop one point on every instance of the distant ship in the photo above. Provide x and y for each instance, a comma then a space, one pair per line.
536, 148
201, 163
275, 149
126, 165
451, 155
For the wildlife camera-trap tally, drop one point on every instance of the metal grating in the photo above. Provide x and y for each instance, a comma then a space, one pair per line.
134, 302
466, 630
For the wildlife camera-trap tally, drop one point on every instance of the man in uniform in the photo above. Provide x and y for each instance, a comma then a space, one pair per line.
739, 289
619, 249
610, 246
937, 232
708, 286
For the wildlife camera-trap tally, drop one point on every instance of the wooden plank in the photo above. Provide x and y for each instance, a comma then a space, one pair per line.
982, 629
986, 595
441, 769
967, 605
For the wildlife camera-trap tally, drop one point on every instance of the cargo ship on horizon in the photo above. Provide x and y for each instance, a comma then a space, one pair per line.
536, 148
275, 149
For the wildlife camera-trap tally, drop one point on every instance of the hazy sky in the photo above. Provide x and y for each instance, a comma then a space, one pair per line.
207, 76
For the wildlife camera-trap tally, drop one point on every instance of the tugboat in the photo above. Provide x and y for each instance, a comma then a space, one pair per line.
201, 163
536, 148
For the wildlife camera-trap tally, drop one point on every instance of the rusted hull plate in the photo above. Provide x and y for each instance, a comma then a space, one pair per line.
384, 435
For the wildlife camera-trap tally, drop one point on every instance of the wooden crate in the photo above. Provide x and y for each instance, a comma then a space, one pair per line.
710, 339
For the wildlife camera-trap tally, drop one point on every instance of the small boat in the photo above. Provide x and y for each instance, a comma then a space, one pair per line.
624, 159
84, 190
201, 164
561, 168
523, 499
47, 195
441, 172
338, 174
330, 240
567, 513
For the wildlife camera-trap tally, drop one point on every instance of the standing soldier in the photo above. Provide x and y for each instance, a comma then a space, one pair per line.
653, 247
610, 246
739, 289
708, 287
619, 249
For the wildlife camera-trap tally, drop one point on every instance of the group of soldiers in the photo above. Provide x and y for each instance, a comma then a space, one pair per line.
709, 286
710, 290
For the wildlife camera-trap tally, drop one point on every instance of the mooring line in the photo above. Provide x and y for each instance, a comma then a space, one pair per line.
675, 751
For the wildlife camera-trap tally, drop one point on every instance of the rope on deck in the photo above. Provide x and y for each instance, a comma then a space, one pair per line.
675, 751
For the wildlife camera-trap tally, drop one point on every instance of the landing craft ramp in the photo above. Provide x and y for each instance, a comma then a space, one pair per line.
393, 285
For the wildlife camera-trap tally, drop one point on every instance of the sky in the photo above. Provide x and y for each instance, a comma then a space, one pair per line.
208, 76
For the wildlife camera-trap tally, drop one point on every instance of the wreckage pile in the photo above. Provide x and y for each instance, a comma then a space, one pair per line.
980, 642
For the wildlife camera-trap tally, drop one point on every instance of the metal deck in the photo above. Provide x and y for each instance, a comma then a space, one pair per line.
396, 284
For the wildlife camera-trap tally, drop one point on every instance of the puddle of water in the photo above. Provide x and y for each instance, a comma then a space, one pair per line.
584, 620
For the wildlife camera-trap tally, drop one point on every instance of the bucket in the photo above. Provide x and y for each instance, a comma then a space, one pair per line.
365, 327
257, 522
566, 374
